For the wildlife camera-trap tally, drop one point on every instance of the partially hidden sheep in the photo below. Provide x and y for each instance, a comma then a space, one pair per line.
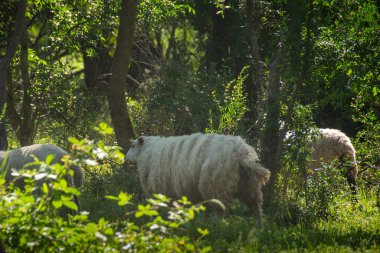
201, 167
17, 158
333, 145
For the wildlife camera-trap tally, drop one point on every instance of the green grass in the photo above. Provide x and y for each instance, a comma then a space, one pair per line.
349, 228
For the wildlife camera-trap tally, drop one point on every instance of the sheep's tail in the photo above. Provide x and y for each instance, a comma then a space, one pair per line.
249, 161
262, 172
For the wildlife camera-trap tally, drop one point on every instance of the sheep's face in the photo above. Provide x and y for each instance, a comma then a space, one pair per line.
135, 150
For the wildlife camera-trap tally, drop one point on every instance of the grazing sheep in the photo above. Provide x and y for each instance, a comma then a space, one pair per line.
16, 159
330, 145
201, 167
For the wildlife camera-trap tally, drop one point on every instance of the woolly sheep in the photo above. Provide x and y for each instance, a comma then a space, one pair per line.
201, 167
16, 159
330, 145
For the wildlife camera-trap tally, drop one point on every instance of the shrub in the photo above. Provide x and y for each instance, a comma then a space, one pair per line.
231, 107
30, 222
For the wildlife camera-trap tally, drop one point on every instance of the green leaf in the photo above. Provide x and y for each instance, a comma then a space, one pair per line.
45, 188
57, 203
206, 249
49, 159
190, 247
92, 227
124, 199
108, 231
111, 197
203, 232
71, 205
74, 140
145, 211
104, 129
27, 199
375, 91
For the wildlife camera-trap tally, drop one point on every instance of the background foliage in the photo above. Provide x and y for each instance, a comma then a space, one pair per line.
270, 71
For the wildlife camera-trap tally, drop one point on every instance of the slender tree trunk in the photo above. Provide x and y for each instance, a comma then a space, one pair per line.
26, 130
96, 69
91, 71
3, 132
116, 91
12, 114
253, 16
218, 46
271, 132
4, 66
171, 50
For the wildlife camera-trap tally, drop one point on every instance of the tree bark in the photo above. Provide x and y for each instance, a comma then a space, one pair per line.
171, 50
271, 131
95, 68
217, 42
26, 130
4, 65
116, 91
253, 15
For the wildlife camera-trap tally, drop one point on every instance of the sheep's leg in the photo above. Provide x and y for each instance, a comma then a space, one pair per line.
249, 192
254, 202
352, 183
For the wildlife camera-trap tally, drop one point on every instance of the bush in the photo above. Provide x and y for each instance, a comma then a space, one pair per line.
231, 107
30, 222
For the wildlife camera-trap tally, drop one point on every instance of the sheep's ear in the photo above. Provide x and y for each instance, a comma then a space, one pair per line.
141, 140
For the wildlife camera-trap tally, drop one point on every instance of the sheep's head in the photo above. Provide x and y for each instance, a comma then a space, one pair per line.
135, 150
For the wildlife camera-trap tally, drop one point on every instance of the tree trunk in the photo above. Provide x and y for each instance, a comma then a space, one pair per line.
26, 130
3, 129
116, 91
4, 66
253, 16
171, 50
271, 132
3, 132
96, 70
217, 42
13, 115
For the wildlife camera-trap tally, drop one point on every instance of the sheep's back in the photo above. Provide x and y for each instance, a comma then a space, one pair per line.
174, 165
16, 159
331, 144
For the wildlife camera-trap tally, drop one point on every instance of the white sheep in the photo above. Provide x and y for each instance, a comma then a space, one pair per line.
333, 145
201, 167
17, 158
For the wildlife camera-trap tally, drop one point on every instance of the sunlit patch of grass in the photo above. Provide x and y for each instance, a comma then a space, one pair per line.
350, 227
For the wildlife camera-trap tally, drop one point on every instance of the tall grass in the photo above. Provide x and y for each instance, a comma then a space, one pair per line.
348, 228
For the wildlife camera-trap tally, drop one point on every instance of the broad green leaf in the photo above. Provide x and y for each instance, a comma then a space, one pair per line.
57, 203
71, 205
